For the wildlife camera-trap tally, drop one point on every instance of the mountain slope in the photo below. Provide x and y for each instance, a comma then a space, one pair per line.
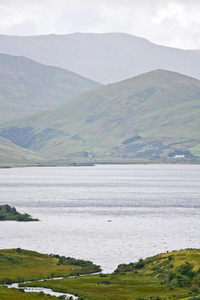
27, 87
152, 115
106, 58
13, 154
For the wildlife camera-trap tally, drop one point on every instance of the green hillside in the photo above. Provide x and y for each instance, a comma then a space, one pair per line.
174, 275
27, 87
11, 154
31, 265
18, 265
154, 115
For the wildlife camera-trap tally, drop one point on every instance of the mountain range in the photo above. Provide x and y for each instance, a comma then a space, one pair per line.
27, 87
105, 58
155, 115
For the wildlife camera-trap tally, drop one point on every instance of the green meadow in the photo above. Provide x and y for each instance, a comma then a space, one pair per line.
174, 275
12, 294
17, 265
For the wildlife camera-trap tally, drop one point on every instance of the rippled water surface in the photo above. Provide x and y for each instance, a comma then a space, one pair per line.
108, 214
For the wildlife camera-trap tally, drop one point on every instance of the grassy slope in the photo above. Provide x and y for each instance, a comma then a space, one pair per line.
160, 106
196, 150
27, 87
30, 265
149, 281
12, 154
11, 294
18, 264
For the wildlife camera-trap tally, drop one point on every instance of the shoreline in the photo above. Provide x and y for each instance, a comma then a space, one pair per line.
93, 164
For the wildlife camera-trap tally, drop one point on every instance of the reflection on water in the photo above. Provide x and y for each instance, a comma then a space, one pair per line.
107, 214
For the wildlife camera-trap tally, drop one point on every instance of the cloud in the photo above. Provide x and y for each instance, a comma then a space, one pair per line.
24, 28
169, 22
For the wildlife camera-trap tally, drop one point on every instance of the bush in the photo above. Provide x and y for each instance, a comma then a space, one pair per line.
182, 280
186, 270
6, 281
140, 264
130, 267
87, 266
194, 289
102, 275
20, 279
106, 282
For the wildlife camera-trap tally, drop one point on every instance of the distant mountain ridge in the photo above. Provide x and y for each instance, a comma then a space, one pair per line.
28, 87
154, 115
105, 58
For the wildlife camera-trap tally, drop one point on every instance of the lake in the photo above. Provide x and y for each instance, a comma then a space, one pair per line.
109, 214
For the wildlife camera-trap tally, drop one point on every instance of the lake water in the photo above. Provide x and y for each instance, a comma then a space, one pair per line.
109, 214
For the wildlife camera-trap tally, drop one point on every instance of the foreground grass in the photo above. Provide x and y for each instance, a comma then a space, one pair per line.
117, 287
158, 277
17, 265
174, 275
12, 294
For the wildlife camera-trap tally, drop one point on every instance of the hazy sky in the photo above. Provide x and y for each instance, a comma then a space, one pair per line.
173, 23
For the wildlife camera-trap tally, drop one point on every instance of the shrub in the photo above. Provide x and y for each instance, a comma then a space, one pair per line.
194, 289
7, 281
20, 279
186, 270
140, 264
106, 282
102, 275
182, 280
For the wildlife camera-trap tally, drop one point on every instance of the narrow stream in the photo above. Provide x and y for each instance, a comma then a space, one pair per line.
40, 289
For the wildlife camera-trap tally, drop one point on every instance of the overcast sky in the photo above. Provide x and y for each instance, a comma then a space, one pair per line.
174, 23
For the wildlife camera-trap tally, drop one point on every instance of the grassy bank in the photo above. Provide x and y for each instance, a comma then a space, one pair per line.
12, 294
105, 160
19, 265
174, 275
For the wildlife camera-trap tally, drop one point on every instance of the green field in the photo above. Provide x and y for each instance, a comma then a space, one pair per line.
17, 265
22, 265
196, 150
11, 294
173, 275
